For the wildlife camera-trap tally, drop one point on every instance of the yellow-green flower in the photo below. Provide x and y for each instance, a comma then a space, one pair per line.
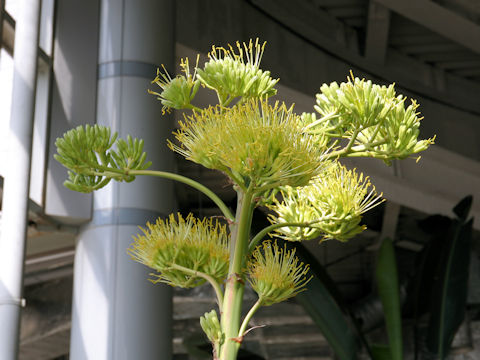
358, 103
275, 273
177, 93
333, 203
397, 138
237, 73
196, 245
375, 116
255, 143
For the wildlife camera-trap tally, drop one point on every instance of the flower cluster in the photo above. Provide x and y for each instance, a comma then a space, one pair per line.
275, 273
92, 162
183, 249
230, 73
177, 93
333, 204
237, 74
255, 143
374, 117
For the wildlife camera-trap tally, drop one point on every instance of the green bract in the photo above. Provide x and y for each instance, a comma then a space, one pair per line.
255, 143
233, 74
192, 244
276, 274
333, 202
87, 152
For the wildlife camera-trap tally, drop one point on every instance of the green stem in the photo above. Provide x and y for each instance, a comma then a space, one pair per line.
322, 119
261, 234
375, 132
193, 107
356, 151
235, 179
352, 140
249, 315
211, 280
232, 305
185, 180
228, 101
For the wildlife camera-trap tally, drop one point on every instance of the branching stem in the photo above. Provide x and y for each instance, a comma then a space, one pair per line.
211, 280
183, 179
260, 235
248, 317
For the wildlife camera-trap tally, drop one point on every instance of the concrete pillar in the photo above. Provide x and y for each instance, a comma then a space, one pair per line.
117, 314
17, 179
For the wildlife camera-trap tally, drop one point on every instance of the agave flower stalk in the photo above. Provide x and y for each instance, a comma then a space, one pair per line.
273, 157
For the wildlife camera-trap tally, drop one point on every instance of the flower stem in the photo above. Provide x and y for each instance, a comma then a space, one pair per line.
185, 180
249, 315
261, 234
193, 107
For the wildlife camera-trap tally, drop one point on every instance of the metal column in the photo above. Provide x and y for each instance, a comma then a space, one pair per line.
17, 179
117, 314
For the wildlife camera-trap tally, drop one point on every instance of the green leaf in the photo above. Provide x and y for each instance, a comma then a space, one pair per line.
319, 301
387, 281
380, 352
419, 291
463, 208
450, 290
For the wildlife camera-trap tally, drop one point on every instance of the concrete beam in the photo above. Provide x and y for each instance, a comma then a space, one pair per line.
378, 25
460, 64
322, 30
436, 17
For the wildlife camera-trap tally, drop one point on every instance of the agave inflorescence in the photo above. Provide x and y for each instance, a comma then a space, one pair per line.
272, 156
93, 161
255, 143
333, 203
236, 73
177, 92
276, 274
173, 245
373, 117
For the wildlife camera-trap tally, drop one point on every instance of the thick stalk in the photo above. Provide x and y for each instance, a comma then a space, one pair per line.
232, 304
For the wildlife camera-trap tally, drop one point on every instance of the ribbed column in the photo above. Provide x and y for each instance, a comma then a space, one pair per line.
17, 179
117, 313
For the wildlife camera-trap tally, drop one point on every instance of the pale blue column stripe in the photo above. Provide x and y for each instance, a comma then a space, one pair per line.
123, 216
127, 68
